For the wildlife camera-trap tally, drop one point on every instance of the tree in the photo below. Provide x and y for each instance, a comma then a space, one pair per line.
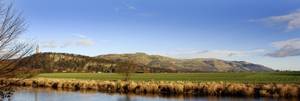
11, 50
127, 68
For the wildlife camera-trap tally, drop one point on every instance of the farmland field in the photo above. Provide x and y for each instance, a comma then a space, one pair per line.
263, 77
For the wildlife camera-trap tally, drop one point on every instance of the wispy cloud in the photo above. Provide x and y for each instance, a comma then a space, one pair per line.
83, 40
49, 44
80, 36
290, 21
78, 40
129, 6
286, 48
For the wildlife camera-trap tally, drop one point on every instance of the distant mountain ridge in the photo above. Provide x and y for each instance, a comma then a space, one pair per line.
63, 62
187, 65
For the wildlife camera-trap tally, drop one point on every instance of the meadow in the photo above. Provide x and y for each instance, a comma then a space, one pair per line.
237, 77
250, 84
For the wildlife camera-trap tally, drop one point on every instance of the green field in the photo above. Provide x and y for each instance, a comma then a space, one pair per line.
273, 77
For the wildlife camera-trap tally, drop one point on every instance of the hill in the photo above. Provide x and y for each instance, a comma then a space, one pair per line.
63, 62
186, 65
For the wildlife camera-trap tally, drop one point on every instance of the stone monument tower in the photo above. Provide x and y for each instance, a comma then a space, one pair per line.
37, 50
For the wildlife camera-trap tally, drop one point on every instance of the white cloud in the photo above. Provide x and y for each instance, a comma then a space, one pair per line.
291, 21
290, 43
49, 44
80, 36
286, 48
85, 42
78, 40
129, 6
218, 54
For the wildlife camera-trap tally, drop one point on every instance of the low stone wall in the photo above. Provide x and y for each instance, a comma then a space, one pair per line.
165, 87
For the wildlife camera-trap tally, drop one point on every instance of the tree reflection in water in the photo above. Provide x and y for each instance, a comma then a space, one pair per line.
125, 98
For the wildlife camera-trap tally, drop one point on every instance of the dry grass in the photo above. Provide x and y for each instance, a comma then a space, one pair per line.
165, 87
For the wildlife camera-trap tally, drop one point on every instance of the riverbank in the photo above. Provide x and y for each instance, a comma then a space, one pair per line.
49, 94
164, 87
232, 77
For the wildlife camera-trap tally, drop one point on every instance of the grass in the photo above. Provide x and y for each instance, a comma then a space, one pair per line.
173, 88
241, 77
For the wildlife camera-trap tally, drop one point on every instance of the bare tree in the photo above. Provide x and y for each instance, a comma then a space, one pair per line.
126, 69
11, 49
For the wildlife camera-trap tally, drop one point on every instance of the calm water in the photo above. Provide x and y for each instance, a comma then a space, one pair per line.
43, 94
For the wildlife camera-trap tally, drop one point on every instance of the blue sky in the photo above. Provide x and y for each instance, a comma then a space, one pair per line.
261, 31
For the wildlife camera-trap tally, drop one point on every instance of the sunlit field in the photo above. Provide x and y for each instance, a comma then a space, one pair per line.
264, 77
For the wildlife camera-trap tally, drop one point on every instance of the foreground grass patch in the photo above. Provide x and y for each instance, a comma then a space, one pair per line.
268, 77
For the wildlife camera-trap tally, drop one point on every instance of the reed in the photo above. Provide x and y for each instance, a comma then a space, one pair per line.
164, 87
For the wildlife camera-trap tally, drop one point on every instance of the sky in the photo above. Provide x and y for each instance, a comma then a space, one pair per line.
265, 32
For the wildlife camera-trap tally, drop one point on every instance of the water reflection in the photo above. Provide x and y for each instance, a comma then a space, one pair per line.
48, 94
125, 98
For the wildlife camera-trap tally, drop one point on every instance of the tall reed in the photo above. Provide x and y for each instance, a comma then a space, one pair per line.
165, 87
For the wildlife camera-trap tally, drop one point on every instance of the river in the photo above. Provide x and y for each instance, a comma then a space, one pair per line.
47, 94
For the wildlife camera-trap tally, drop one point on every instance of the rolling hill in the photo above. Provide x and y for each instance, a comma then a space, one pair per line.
186, 65
63, 62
